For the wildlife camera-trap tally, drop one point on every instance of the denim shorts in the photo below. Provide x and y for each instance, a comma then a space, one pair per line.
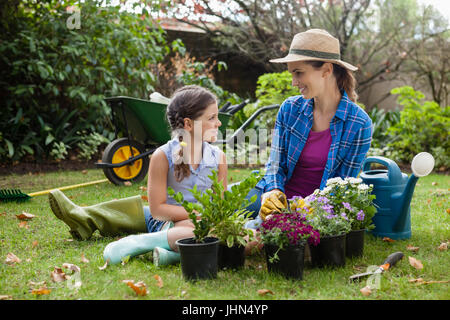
153, 225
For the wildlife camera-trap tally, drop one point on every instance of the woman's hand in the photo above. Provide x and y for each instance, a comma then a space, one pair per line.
271, 202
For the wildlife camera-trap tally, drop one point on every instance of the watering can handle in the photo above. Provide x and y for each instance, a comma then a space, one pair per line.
394, 173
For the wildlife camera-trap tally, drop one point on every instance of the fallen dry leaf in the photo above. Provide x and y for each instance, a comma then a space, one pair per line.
431, 282
84, 259
72, 267
127, 183
263, 292
387, 239
58, 275
24, 224
434, 183
84, 172
448, 210
11, 259
142, 188
5, 297
34, 244
25, 216
139, 288
3, 214
366, 291
412, 248
159, 281
443, 246
420, 281
104, 266
145, 198
415, 263
41, 291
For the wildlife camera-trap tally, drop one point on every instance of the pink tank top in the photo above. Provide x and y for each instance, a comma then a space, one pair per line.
308, 171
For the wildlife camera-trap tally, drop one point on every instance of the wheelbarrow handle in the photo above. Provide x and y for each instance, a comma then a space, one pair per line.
225, 107
235, 109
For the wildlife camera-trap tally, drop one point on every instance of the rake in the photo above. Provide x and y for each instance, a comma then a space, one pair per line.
7, 195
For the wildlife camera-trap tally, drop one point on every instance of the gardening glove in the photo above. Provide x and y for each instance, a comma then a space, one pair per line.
272, 202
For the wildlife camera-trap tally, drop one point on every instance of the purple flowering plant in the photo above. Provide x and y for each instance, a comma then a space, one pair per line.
352, 198
287, 228
325, 218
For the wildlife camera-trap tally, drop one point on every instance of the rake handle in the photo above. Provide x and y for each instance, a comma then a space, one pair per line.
39, 193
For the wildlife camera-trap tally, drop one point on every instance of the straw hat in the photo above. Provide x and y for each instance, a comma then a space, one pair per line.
315, 45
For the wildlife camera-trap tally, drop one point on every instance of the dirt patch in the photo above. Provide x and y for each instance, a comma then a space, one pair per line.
38, 167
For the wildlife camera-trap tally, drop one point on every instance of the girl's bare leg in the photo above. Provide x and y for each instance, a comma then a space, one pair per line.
250, 247
181, 229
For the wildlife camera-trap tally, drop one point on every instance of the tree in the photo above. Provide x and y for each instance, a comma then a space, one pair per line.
428, 63
372, 33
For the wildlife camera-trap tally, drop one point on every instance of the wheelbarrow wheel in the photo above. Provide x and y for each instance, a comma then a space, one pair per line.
118, 151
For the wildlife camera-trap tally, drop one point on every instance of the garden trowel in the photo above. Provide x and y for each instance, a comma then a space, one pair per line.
390, 261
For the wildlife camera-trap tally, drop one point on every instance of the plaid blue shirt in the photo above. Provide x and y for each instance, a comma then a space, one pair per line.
351, 134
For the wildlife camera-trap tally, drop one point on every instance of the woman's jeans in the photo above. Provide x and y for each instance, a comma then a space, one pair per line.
253, 207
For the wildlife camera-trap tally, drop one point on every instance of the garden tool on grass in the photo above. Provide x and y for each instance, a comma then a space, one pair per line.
271, 202
7, 195
390, 261
111, 218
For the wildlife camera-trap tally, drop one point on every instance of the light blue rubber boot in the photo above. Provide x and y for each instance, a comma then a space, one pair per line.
135, 245
163, 257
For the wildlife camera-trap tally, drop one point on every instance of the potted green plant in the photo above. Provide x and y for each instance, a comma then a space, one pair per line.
284, 236
332, 226
230, 218
198, 255
219, 217
353, 198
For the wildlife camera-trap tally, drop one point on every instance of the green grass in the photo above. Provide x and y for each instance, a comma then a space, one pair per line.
430, 227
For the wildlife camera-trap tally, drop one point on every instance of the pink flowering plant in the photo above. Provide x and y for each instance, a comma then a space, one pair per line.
352, 197
287, 228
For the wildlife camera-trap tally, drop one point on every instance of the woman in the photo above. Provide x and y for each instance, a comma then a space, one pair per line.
319, 134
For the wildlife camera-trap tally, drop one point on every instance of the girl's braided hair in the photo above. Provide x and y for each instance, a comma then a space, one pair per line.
186, 102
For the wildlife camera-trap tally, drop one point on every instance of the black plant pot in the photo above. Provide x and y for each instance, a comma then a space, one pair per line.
329, 252
198, 260
354, 243
290, 263
231, 258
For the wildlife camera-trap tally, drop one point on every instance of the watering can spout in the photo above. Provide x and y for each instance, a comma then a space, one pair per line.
422, 165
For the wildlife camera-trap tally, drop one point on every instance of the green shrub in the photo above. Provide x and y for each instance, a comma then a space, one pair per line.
382, 120
423, 126
53, 79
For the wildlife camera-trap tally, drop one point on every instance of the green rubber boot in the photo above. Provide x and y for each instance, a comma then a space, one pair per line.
135, 245
110, 218
163, 257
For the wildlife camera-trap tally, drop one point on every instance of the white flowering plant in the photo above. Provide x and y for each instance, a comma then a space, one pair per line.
321, 215
353, 198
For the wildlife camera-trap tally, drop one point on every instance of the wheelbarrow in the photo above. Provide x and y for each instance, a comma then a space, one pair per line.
143, 128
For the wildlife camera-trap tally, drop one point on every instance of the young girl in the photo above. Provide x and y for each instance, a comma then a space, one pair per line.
181, 163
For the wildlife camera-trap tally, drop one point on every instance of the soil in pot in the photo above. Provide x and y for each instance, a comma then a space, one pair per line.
198, 259
354, 243
290, 263
231, 258
329, 252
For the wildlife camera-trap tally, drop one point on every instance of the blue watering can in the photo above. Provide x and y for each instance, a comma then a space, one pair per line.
394, 190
